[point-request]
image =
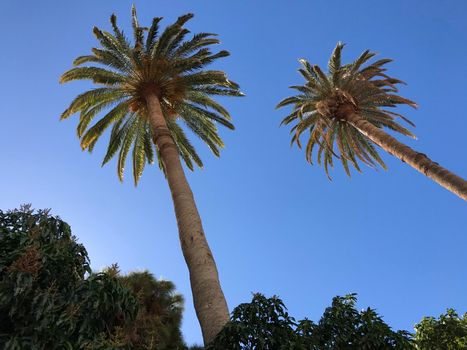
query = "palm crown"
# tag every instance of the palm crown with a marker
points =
(166, 61)
(326, 99)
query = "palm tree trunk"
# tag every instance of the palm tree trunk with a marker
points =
(209, 301)
(417, 160)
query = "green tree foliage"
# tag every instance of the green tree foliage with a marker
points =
(157, 325)
(343, 327)
(50, 298)
(264, 324)
(45, 300)
(448, 332)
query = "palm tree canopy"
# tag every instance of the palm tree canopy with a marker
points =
(169, 63)
(325, 99)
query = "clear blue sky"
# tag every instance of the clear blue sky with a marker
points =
(276, 225)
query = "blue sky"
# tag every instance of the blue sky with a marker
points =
(276, 224)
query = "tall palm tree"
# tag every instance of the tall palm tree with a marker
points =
(146, 89)
(347, 108)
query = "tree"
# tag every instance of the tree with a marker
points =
(262, 324)
(449, 332)
(157, 325)
(147, 88)
(347, 107)
(344, 327)
(265, 324)
(45, 300)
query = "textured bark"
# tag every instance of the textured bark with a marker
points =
(417, 160)
(209, 301)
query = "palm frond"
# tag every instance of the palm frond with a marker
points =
(116, 137)
(87, 115)
(206, 114)
(127, 141)
(139, 154)
(198, 41)
(91, 98)
(334, 64)
(152, 34)
(138, 32)
(168, 35)
(148, 144)
(204, 129)
(85, 59)
(186, 149)
(114, 47)
(98, 129)
(208, 77)
(97, 75)
(220, 91)
(119, 35)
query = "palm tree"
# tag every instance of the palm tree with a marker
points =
(346, 107)
(146, 89)
(157, 325)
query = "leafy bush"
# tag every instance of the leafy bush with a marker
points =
(157, 325)
(264, 324)
(45, 300)
(449, 332)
